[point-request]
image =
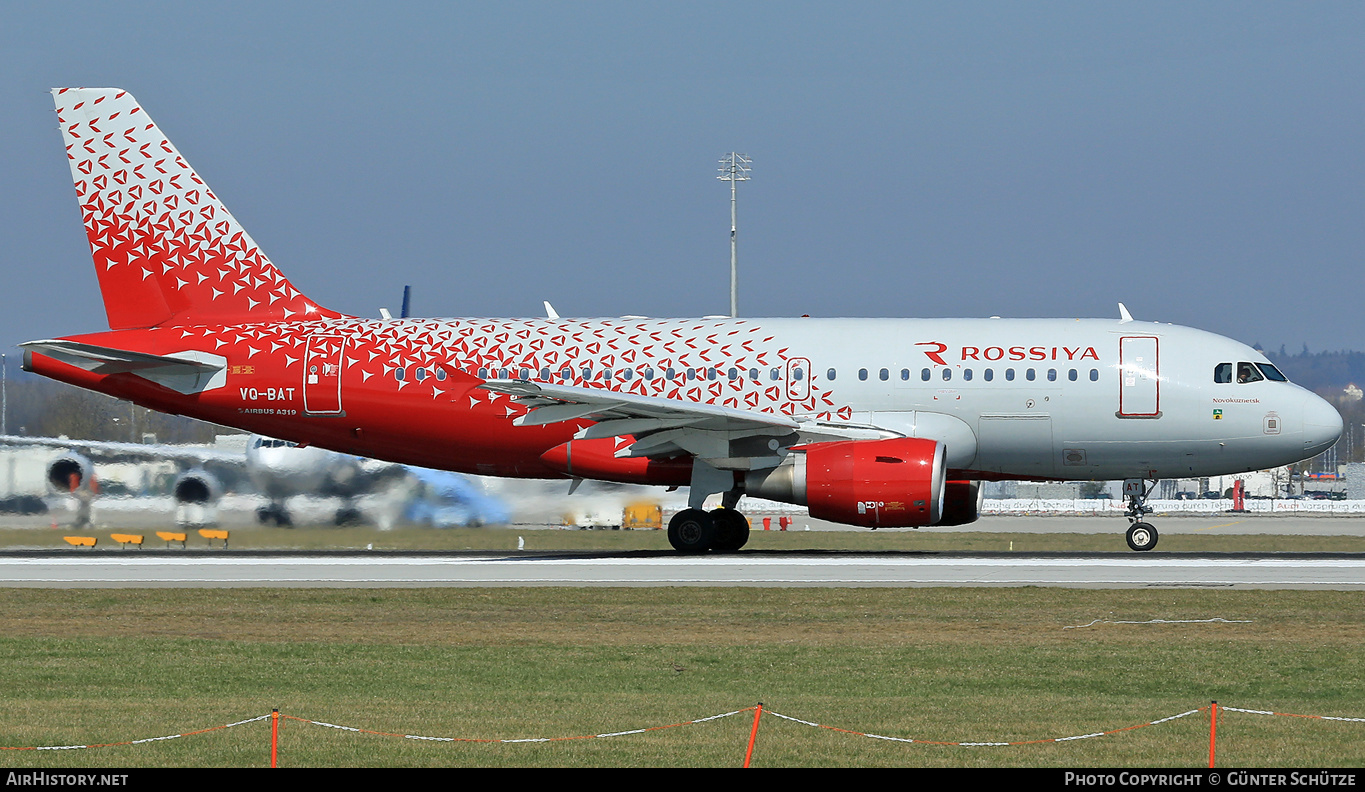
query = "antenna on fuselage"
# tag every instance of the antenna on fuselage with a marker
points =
(1124, 316)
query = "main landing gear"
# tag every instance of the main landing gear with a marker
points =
(276, 513)
(1141, 535)
(697, 531)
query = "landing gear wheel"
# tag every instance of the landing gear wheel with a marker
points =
(1141, 536)
(732, 530)
(349, 515)
(275, 514)
(691, 531)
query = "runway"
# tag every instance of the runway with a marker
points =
(362, 570)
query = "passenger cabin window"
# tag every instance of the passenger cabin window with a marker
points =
(905, 375)
(924, 374)
(947, 374)
(830, 375)
(1094, 375)
(1071, 375)
(883, 375)
(967, 374)
(989, 374)
(862, 374)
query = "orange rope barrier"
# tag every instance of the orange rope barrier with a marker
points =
(985, 744)
(276, 717)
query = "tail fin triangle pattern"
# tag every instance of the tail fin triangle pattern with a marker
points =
(166, 250)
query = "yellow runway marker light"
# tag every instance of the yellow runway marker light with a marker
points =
(171, 536)
(80, 541)
(127, 539)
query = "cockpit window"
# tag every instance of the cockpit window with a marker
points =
(1271, 373)
(1247, 372)
(1222, 373)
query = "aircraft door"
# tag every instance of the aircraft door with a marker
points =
(798, 379)
(322, 375)
(1139, 377)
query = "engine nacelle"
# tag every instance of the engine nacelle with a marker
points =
(70, 473)
(196, 498)
(962, 503)
(894, 483)
(198, 487)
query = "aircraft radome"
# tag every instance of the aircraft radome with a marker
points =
(870, 422)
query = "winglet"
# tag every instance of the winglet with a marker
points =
(1124, 316)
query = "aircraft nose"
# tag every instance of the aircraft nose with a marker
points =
(1321, 425)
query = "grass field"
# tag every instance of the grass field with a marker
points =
(932, 664)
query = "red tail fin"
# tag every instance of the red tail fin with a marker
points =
(166, 250)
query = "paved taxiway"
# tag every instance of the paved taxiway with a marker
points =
(260, 569)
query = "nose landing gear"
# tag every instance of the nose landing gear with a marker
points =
(1141, 535)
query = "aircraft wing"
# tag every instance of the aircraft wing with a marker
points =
(725, 437)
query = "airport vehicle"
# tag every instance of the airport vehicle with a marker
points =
(870, 422)
(279, 470)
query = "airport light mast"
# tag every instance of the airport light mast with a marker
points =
(734, 168)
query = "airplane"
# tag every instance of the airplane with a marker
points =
(279, 469)
(868, 422)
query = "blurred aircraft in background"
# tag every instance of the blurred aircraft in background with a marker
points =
(278, 470)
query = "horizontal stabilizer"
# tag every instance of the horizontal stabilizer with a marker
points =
(184, 372)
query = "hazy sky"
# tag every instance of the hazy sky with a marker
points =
(1202, 162)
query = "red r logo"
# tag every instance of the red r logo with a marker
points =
(935, 354)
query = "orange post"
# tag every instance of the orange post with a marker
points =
(1213, 730)
(753, 734)
(274, 736)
